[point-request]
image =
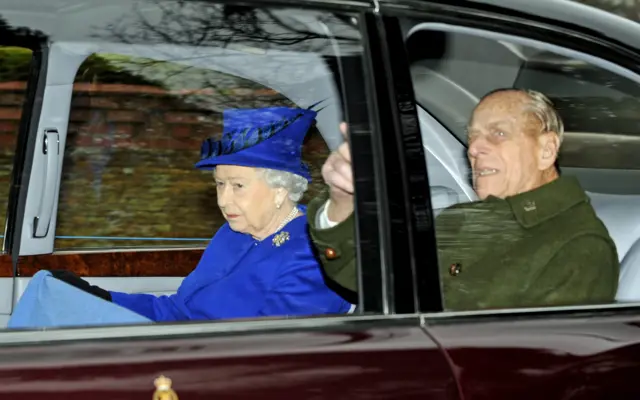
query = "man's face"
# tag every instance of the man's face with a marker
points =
(506, 148)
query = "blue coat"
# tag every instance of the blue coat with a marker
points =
(238, 277)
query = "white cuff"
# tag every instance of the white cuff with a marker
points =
(322, 218)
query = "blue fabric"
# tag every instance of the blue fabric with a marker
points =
(238, 276)
(50, 302)
(269, 137)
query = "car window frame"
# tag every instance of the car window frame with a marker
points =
(584, 45)
(30, 110)
(376, 302)
(412, 288)
(31, 107)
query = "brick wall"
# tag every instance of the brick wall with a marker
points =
(128, 168)
(11, 97)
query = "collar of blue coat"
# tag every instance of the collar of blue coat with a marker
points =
(263, 138)
(539, 205)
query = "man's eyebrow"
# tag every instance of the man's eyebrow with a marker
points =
(499, 124)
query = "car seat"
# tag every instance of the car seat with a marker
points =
(620, 215)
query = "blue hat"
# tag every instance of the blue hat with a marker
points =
(263, 138)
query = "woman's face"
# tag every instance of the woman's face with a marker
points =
(248, 204)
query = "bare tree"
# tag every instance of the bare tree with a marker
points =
(20, 36)
(202, 24)
(192, 25)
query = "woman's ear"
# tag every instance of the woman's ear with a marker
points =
(281, 195)
(549, 145)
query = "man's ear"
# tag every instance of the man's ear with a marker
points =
(549, 145)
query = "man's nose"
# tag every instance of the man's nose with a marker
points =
(478, 146)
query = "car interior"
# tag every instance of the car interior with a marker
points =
(450, 74)
(284, 68)
(453, 74)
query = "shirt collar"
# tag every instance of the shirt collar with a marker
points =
(539, 205)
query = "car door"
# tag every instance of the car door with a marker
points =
(349, 357)
(137, 101)
(586, 61)
(81, 179)
(20, 57)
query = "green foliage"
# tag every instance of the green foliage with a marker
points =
(103, 70)
(15, 63)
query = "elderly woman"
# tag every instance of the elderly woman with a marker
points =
(260, 262)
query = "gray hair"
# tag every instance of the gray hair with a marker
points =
(541, 107)
(295, 184)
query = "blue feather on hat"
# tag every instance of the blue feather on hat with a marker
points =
(264, 138)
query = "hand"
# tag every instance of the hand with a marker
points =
(73, 280)
(337, 173)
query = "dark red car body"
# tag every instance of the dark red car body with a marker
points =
(565, 357)
(401, 348)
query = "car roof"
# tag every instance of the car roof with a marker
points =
(562, 13)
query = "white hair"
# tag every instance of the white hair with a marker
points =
(294, 184)
(542, 108)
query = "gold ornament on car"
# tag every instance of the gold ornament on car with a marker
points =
(163, 389)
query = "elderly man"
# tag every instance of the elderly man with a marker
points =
(532, 240)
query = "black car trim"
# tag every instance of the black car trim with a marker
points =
(371, 209)
(417, 287)
(25, 148)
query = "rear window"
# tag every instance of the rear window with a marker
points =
(598, 107)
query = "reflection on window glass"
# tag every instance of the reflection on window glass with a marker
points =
(136, 127)
(191, 126)
(141, 108)
(14, 74)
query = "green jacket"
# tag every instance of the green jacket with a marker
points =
(545, 247)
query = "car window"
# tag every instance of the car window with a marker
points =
(149, 89)
(135, 130)
(491, 219)
(15, 65)
(596, 105)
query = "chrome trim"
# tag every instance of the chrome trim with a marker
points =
(123, 250)
(180, 329)
(523, 312)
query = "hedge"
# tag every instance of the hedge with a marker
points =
(14, 66)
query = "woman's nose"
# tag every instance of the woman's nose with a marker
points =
(223, 196)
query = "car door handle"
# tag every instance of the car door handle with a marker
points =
(51, 149)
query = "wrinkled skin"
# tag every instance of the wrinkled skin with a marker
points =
(247, 203)
(508, 152)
